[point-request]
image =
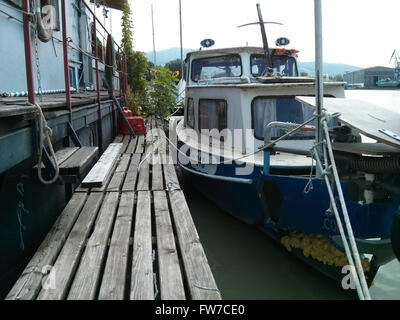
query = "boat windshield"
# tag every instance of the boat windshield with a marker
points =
(282, 64)
(216, 67)
(283, 109)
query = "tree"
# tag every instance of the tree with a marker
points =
(175, 65)
(339, 77)
(163, 92)
(303, 74)
(136, 64)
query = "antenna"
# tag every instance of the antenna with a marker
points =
(261, 23)
(154, 44)
(180, 27)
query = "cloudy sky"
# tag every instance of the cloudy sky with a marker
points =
(358, 32)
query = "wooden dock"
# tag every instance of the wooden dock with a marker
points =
(133, 237)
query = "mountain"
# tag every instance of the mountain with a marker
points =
(331, 69)
(167, 55)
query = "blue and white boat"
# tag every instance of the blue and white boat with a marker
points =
(248, 142)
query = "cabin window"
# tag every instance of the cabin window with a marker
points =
(190, 113)
(216, 67)
(282, 64)
(284, 109)
(212, 114)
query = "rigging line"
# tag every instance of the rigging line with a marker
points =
(16, 9)
(246, 155)
(344, 209)
(11, 17)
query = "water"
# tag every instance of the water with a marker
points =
(248, 265)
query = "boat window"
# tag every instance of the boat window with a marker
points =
(216, 67)
(212, 114)
(190, 113)
(284, 109)
(282, 64)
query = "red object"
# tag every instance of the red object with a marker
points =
(136, 122)
(28, 54)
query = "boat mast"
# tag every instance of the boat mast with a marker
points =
(268, 60)
(180, 27)
(319, 84)
(154, 44)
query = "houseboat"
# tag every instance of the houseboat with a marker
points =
(61, 76)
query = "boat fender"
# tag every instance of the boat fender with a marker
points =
(44, 24)
(396, 235)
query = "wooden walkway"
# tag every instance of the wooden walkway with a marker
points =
(132, 238)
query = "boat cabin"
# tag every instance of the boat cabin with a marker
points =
(227, 89)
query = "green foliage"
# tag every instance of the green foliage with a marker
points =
(175, 65)
(303, 74)
(127, 29)
(132, 101)
(339, 77)
(162, 93)
(136, 61)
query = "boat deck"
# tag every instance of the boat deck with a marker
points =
(131, 238)
(14, 106)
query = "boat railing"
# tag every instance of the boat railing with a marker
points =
(66, 43)
(284, 126)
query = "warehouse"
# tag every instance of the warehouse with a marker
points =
(368, 77)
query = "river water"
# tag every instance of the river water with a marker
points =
(248, 265)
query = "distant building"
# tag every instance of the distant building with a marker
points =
(368, 77)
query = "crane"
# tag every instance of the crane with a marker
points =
(396, 57)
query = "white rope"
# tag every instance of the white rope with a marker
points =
(45, 133)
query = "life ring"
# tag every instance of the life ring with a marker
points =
(44, 34)
(396, 235)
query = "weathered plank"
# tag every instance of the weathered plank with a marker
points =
(114, 280)
(29, 283)
(142, 264)
(68, 260)
(15, 110)
(78, 161)
(171, 283)
(200, 279)
(125, 143)
(116, 181)
(103, 168)
(123, 163)
(87, 277)
(131, 176)
(62, 155)
(132, 145)
(157, 174)
(144, 174)
(140, 145)
(171, 179)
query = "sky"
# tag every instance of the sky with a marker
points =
(362, 33)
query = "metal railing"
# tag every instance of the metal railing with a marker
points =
(120, 56)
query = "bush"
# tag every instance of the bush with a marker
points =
(162, 92)
(132, 101)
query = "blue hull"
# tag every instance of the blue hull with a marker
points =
(279, 202)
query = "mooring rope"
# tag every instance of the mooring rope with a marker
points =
(45, 133)
(20, 210)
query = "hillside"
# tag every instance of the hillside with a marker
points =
(329, 68)
(167, 55)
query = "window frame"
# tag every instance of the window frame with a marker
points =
(224, 55)
(187, 114)
(266, 97)
(262, 55)
(216, 100)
